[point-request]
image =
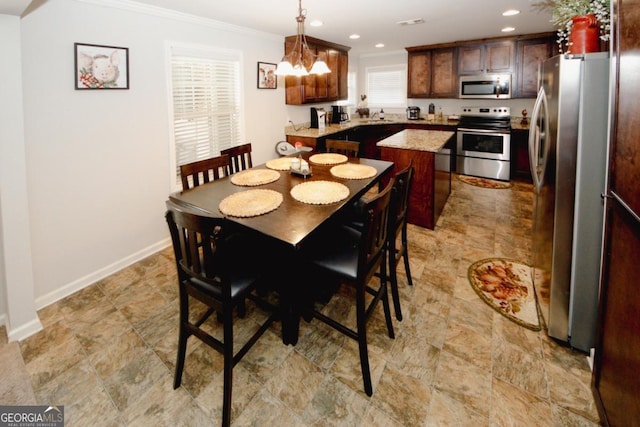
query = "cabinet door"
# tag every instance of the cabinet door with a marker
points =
(419, 75)
(342, 74)
(471, 59)
(444, 73)
(520, 155)
(315, 86)
(530, 53)
(499, 57)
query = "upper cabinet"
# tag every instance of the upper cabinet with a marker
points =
(432, 73)
(483, 58)
(433, 70)
(529, 54)
(319, 88)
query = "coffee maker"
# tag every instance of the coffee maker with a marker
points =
(339, 114)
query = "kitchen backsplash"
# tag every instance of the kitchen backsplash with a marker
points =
(301, 114)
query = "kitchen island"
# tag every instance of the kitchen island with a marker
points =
(430, 151)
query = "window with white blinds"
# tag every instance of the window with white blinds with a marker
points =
(206, 95)
(387, 86)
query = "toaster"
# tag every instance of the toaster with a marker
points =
(413, 113)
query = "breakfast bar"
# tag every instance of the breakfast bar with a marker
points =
(430, 151)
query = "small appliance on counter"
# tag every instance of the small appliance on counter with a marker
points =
(413, 113)
(339, 114)
(432, 112)
(318, 117)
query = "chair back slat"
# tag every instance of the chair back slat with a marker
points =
(239, 157)
(203, 171)
(400, 198)
(197, 245)
(375, 230)
(348, 148)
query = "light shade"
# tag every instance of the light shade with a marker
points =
(284, 68)
(319, 67)
(292, 63)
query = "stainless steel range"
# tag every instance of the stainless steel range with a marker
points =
(484, 140)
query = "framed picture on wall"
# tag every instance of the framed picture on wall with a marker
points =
(101, 67)
(267, 76)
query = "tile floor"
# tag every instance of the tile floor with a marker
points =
(107, 352)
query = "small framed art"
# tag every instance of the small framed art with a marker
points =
(101, 67)
(267, 76)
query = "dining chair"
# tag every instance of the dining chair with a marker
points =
(203, 171)
(399, 208)
(348, 148)
(239, 157)
(397, 246)
(353, 257)
(211, 260)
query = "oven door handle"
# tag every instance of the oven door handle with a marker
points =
(496, 132)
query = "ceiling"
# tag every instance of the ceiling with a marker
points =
(375, 20)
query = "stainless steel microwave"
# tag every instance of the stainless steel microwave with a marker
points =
(486, 86)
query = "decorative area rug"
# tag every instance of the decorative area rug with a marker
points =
(483, 182)
(250, 203)
(507, 287)
(328, 158)
(353, 171)
(254, 177)
(320, 192)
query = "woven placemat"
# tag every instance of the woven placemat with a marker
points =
(250, 203)
(353, 171)
(328, 158)
(253, 177)
(320, 192)
(280, 164)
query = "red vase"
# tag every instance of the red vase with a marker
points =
(585, 35)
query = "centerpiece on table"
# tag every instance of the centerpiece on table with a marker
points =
(582, 24)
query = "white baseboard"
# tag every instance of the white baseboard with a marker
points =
(24, 331)
(92, 278)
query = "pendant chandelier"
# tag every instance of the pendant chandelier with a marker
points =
(292, 62)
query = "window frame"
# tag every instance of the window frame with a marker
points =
(201, 52)
(401, 69)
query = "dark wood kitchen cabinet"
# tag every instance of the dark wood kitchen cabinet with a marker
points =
(529, 54)
(617, 357)
(314, 89)
(520, 168)
(482, 58)
(432, 73)
(433, 70)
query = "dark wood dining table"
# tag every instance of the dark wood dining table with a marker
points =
(288, 226)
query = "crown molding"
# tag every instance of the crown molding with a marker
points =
(133, 6)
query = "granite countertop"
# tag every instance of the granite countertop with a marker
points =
(303, 130)
(417, 139)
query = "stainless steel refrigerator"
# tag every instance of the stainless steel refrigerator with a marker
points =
(567, 152)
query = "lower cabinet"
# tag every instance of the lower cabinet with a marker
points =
(368, 136)
(431, 181)
(520, 155)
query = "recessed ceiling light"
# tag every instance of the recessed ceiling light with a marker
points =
(354, 36)
(380, 45)
(316, 23)
(510, 12)
(411, 21)
(508, 29)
